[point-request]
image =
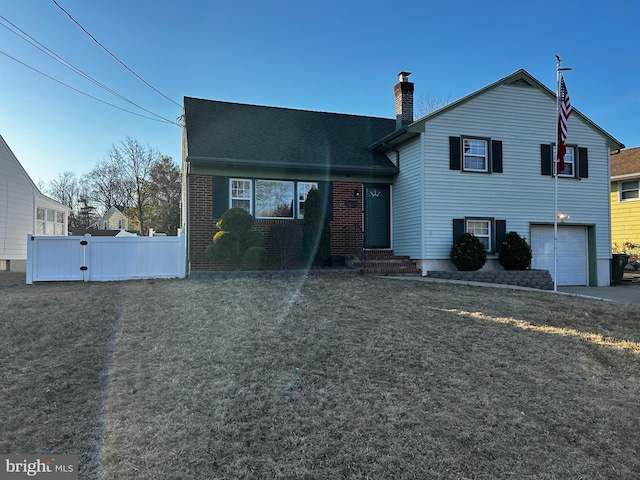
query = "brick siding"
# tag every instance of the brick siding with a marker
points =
(284, 251)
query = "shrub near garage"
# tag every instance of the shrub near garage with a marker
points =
(468, 253)
(515, 252)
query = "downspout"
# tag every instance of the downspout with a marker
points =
(422, 209)
(185, 220)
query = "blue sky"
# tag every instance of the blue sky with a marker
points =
(337, 56)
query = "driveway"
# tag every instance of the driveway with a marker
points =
(628, 292)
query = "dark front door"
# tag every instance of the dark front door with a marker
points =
(377, 213)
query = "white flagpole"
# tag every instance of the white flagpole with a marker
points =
(555, 176)
(555, 181)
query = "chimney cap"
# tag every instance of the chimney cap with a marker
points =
(404, 76)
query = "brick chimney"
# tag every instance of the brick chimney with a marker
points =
(404, 100)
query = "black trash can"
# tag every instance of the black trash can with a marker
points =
(618, 262)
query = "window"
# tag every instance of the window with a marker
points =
(105, 225)
(274, 199)
(481, 229)
(569, 163)
(475, 155)
(629, 190)
(576, 161)
(282, 199)
(120, 224)
(241, 194)
(49, 222)
(303, 189)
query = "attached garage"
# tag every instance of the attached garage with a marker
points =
(573, 264)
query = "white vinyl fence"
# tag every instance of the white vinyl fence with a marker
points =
(87, 258)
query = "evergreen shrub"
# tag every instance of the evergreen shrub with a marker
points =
(515, 252)
(236, 242)
(468, 253)
(316, 239)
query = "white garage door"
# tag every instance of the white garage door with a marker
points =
(572, 253)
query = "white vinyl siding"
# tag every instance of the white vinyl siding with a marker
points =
(19, 201)
(522, 118)
(406, 206)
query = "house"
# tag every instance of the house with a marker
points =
(481, 164)
(114, 219)
(625, 199)
(24, 210)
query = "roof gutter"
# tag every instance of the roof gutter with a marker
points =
(236, 163)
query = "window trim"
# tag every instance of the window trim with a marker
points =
(249, 198)
(252, 195)
(490, 230)
(48, 227)
(299, 200)
(573, 149)
(621, 191)
(293, 198)
(487, 155)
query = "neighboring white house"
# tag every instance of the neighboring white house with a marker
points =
(24, 210)
(482, 164)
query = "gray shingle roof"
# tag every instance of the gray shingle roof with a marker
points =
(219, 132)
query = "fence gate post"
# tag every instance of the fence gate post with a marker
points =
(85, 267)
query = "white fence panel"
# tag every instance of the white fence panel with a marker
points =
(125, 258)
(104, 258)
(52, 258)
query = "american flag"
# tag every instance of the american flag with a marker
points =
(565, 112)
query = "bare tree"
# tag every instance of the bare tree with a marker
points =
(107, 186)
(431, 102)
(66, 190)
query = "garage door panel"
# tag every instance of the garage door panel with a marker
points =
(572, 253)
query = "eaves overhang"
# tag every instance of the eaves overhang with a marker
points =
(627, 176)
(396, 138)
(236, 164)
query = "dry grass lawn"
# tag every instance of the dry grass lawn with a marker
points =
(326, 377)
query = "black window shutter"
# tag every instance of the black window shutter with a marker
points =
(458, 228)
(545, 159)
(496, 156)
(454, 153)
(326, 188)
(501, 234)
(583, 163)
(220, 196)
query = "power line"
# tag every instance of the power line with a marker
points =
(114, 56)
(84, 93)
(69, 65)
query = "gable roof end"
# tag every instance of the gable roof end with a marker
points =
(521, 78)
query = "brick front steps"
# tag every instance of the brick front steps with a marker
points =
(524, 278)
(384, 262)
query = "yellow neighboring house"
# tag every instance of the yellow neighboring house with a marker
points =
(114, 219)
(625, 198)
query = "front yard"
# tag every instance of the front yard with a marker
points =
(331, 376)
